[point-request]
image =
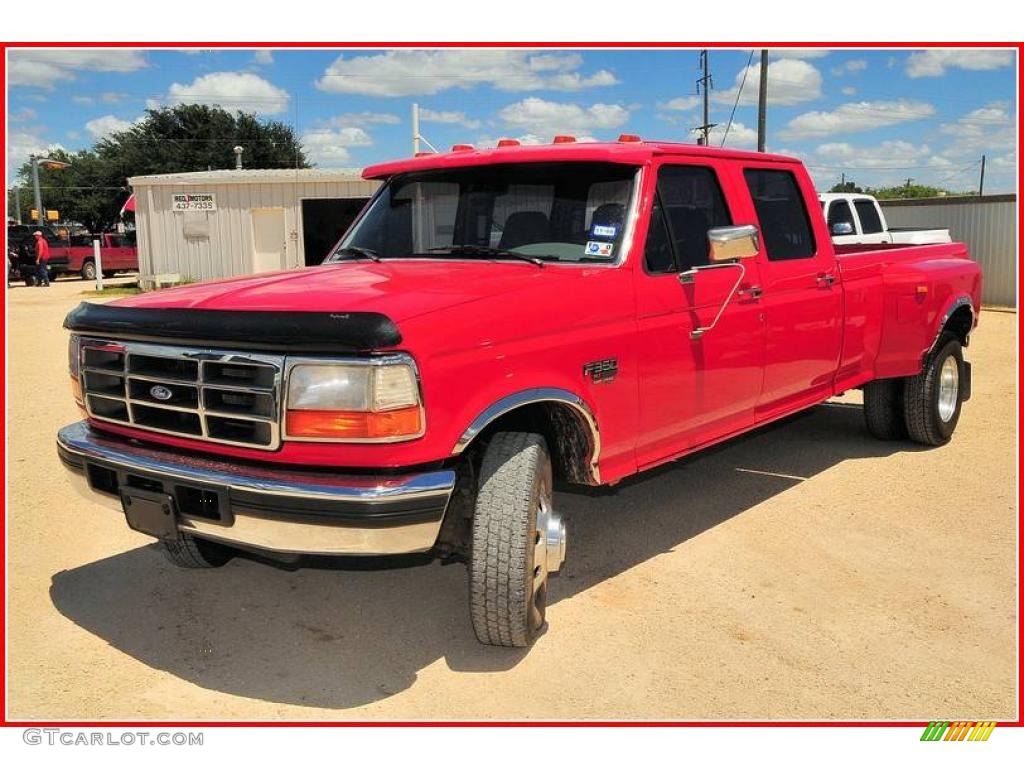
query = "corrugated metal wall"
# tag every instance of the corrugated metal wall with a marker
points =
(227, 250)
(989, 227)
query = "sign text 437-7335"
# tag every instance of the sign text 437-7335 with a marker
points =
(196, 202)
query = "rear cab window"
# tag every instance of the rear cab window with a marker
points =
(870, 221)
(782, 214)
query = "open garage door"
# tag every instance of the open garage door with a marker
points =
(324, 221)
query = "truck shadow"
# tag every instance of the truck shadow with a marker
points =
(320, 638)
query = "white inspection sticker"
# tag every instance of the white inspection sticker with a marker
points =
(595, 248)
(601, 230)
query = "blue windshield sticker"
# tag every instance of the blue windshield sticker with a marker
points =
(601, 230)
(595, 248)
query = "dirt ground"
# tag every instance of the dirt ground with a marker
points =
(806, 571)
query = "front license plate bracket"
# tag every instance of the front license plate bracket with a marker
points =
(150, 512)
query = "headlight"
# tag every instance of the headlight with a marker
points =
(373, 401)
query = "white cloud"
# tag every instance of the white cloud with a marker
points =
(232, 91)
(850, 67)
(101, 127)
(679, 104)
(23, 115)
(740, 136)
(23, 144)
(935, 63)
(450, 117)
(412, 72)
(790, 81)
(263, 56)
(985, 130)
(855, 117)
(44, 69)
(895, 154)
(800, 53)
(364, 118)
(848, 90)
(82, 100)
(330, 148)
(548, 118)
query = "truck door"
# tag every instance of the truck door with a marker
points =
(692, 390)
(802, 298)
(837, 213)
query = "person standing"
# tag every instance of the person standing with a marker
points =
(42, 260)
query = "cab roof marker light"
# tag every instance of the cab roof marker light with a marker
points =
(424, 154)
(629, 138)
(462, 148)
(563, 138)
(508, 143)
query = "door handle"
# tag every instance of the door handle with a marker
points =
(825, 280)
(753, 292)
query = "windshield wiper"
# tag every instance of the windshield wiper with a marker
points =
(486, 250)
(355, 250)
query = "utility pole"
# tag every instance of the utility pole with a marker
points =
(843, 182)
(17, 204)
(415, 129)
(762, 102)
(981, 182)
(40, 213)
(704, 84)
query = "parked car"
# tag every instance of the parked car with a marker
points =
(21, 252)
(423, 390)
(854, 219)
(117, 254)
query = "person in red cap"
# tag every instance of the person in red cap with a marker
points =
(42, 260)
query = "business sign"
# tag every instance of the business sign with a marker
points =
(197, 202)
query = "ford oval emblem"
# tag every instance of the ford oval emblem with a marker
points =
(160, 392)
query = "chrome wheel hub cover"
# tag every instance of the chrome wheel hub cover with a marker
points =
(949, 385)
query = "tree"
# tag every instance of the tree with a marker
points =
(847, 187)
(188, 137)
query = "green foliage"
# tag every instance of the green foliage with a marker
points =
(848, 187)
(188, 137)
(907, 191)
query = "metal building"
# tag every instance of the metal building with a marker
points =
(988, 225)
(198, 226)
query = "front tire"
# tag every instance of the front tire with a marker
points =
(89, 271)
(187, 551)
(932, 399)
(518, 540)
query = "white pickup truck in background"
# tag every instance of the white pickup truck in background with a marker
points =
(854, 218)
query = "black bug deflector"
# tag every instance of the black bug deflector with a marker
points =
(265, 331)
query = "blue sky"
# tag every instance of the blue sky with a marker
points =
(881, 116)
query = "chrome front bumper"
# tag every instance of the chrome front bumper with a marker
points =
(262, 507)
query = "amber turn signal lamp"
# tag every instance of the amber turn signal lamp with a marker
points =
(354, 425)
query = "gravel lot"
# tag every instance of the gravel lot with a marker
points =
(804, 571)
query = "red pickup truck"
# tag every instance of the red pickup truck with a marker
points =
(117, 254)
(496, 320)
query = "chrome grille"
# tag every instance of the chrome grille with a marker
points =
(223, 397)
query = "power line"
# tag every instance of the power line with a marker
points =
(737, 102)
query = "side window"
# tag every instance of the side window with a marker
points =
(658, 250)
(785, 226)
(692, 203)
(839, 213)
(868, 214)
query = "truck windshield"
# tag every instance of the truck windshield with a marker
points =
(566, 212)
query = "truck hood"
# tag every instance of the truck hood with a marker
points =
(398, 289)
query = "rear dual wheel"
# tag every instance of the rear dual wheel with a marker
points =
(925, 407)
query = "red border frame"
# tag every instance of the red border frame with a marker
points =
(4, 722)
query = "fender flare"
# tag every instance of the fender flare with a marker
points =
(957, 303)
(531, 397)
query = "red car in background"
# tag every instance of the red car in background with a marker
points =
(118, 253)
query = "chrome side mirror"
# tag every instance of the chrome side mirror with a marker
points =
(728, 243)
(842, 228)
